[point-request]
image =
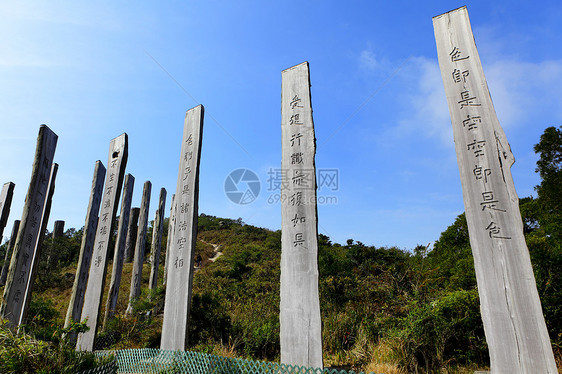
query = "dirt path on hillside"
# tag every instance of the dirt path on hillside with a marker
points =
(216, 249)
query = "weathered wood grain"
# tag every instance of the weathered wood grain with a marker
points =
(74, 310)
(136, 277)
(119, 252)
(157, 240)
(9, 251)
(117, 161)
(301, 335)
(511, 311)
(29, 234)
(180, 266)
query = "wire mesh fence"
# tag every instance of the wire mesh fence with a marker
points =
(105, 340)
(109, 368)
(148, 360)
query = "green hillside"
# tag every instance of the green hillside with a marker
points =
(383, 309)
(388, 310)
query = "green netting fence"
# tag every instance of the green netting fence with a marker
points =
(109, 368)
(150, 360)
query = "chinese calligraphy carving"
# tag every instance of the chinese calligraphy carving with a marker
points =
(86, 249)
(180, 252)
(119, 251)
(511, 311)
(26, 247)
(117, 161)
(301, 342)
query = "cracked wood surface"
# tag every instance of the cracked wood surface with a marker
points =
(510, 307)
(300, 323)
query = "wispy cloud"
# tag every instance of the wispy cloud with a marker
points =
(367, 60)
(520, 91)
(425, 109)
(370, 61)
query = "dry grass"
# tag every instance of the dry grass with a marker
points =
(383, 359)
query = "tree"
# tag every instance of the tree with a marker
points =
(451, 258)
(549, 167)
(544, 217)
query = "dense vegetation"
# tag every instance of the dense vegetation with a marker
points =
(23, 353)
(383, 309)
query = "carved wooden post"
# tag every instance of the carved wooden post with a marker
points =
(157, 240)
(301, 334)
(88, 236)
(171, 223)
(132, 234)
(136, 277)
(58, 230)
(180, 270)
(117, 161)
(119, 252)
(9, 251)
(5, 204)
(39, 246)
(511, 311)
(19, 274)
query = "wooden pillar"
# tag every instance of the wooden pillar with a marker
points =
(74, 310)
(300, 324)
(514, 325)
(5, 204)
(53, 256)
(140, 247)
(157, 240)
(132, 234)
(58, 230)
(117, 161)
(171, 223)
(9, 251)
(180, 266)
(39, 246)
(30, 234)
(119, 252)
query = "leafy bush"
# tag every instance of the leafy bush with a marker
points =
(447, 329)
(43, 320)
(23, 353)
(141, 329)
(208, 320)
(55, 255)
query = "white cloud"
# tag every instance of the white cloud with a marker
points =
(368, 60)
(425, 108)
(520, 91)
(429, 104)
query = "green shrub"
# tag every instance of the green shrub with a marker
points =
(43, 320)
(23, 353)
(447, 330)
(208, 320)
(141, 329)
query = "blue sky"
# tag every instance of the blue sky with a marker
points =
(93, 71)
